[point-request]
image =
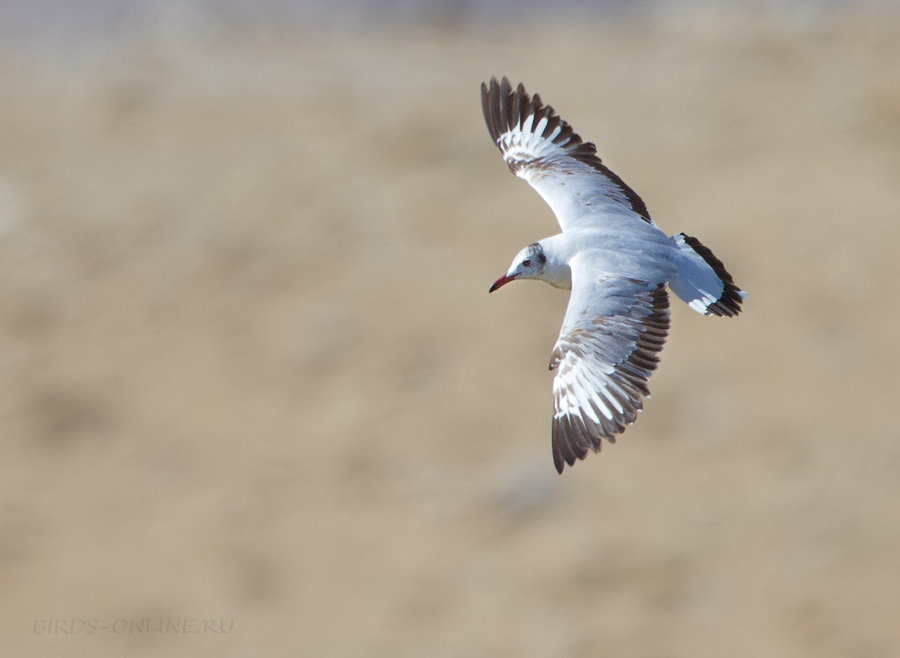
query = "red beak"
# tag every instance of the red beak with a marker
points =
(502, 281)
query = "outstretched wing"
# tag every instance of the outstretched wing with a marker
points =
(539, 146)
(607, 349)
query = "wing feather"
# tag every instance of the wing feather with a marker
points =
(608, 347)
(539, 146)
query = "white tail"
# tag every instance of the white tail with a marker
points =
(702, 281)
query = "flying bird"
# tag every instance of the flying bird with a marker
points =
(614, 259)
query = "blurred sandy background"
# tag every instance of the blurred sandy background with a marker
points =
(251, 372)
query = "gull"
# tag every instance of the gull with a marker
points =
(615, 261)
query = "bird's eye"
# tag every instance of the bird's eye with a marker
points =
(527, 262)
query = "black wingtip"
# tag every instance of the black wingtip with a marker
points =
(495, 96)
(558, 461)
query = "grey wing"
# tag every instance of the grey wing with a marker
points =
(539, 146)
(607, 349)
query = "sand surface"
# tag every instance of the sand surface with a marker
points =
(252, 380)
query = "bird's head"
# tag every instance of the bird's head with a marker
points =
(528, 264)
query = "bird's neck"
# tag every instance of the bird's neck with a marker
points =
(556, 271)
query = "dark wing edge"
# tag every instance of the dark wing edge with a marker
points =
(647, 325)
(506, 108)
